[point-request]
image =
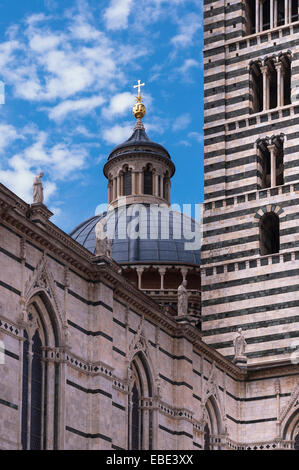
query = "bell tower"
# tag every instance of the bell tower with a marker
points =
(250, 251)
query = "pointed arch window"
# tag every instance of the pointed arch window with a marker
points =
(36, 393)
(207, 438)
(213, 428)
(32, 390)
(40, 388)
(135, 419)
(296, 446)
(140, 419)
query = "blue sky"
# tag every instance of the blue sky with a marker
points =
(69, 68)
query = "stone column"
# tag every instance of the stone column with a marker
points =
(161, 185)
(271, 14)
(272, 150)
(121, 184)
(261, 16)
(162, 272)
(140, 270)
(275, 14)
(114, 188)
(184, 272)
(257, 16)
(282, 87)
(118, 186)
(141, 180)
(286, 11)
(279, 95)
(133, 182)
(277, 393)
(264, 70)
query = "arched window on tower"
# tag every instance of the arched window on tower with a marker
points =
(295, 7)
(250, 17)
(271, 162)
(259, 17)
(296, 445)
(264, 164)
(148, 180)
(265, 15)
(140, 419)
(272, 84)
(285, 60)
(269, 234)
(257, 87)
(127, 175)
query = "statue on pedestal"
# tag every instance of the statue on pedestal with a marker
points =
(38, 191)
(239, 345)
(183, 299)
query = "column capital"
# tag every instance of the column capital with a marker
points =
(162, 271)
(271, 147)
(264, 69)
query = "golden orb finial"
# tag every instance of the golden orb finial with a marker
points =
(139, 110)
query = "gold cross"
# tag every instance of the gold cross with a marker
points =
(139, 87)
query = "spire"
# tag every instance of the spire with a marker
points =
(139, 110)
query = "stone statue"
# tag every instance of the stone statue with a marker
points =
(239, 344)
(38, 191)
(104, 247)
(182, 299)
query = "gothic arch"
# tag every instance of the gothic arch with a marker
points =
(42, 401)
(212, 412)
(140, 409)
(41, 285)
(289, 417)
(291, 428)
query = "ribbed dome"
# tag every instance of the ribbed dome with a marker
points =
(163, 235)
(140, 141)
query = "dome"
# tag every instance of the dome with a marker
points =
(145, 233)
(139, 142)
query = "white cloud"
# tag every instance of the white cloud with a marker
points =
(117, 14)
(119, 104)
(8, 134)
(181, 122)
(6, 52)
(44, 42)
(58, 162)
(198, 136)
(118, 133)
(82, 106)
(188, 28)
(186, 66)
